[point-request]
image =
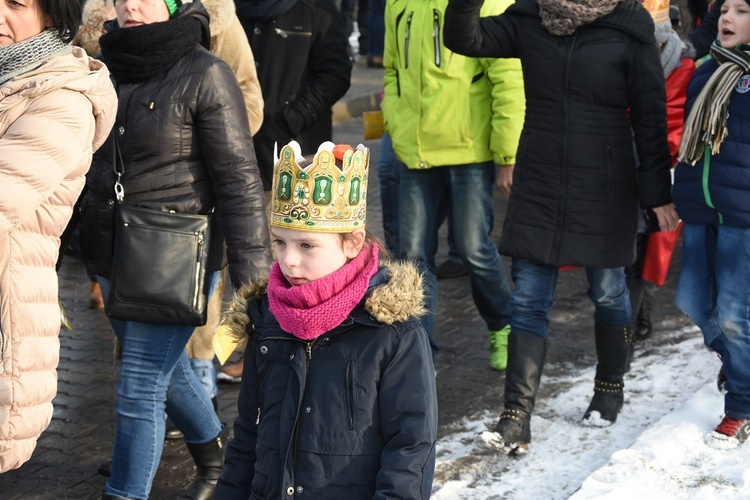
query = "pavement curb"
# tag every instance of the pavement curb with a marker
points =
(345, 110)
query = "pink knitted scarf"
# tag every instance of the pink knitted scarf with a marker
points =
(310, 310)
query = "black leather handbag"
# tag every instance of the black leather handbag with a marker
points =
(160, 261)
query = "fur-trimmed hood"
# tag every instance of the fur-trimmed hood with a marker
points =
(95, 15)
(395, 295)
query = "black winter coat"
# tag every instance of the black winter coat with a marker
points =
(303, 69)
(575, 186)
(350, 415)
(186, 146)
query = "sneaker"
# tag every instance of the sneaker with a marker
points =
(499, 349)
(511, 435)
(231, 374)
(729, 434)
(450, 269)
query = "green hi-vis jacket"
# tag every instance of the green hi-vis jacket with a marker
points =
(442, 108)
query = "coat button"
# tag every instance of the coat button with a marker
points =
(256, 31)
(290, 491)
(291, 356)
(121, 130)
(307, 409)
(263, 349)
(300, 489)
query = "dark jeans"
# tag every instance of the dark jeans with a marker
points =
(469, 189)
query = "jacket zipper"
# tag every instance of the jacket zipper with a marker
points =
(285, 34)
(2, 337)
(196, 292)
(406, 40)
(436, 35)
(308, 359)
(564, 151)
(351, 384)
(704, 182)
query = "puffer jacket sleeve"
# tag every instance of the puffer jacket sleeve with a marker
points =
(229, 157)
(469, 35)
(508, 108)
(648, 116)
(239, 462)
(408, 412)
(330, 70)
(36, 154)
(390, 62)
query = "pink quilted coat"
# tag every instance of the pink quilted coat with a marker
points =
(51, 121)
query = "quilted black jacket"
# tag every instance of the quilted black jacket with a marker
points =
(588, 97)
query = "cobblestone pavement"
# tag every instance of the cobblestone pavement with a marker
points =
(80, 436)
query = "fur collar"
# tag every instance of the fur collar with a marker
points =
(400, 298)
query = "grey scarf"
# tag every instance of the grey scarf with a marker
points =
(31, 53)
(671, 47)
(563, 17)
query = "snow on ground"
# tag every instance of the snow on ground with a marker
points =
(655, 448)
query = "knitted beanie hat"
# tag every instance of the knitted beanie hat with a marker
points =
(172, 5)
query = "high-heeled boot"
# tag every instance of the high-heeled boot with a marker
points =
(526, 355)
(208, 458)
(612, 347)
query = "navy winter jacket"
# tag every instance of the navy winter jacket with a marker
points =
(349, 415)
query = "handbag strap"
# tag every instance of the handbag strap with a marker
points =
(117, 154)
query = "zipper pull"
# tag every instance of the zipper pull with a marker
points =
(257, 418)
(281, 32)
(309, 351)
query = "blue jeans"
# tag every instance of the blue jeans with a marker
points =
(155, 376)
(469, 189)
(389, 174)
(714, 291)
(535, 287)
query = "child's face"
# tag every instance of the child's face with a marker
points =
(734, 23)
(305, 257)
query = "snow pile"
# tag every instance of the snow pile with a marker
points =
(656, 447)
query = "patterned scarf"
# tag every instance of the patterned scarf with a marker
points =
(706, 126)
(31, 53)
(310, 310)
(563, 17)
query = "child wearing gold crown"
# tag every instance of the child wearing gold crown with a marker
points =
(338, 394)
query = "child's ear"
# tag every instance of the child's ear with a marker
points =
(353, 245)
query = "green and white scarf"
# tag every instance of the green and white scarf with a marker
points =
(29, 54)
(706, 126)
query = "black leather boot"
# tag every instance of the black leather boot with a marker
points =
(512, 434)
(208, 458)
(643, 319)
(612, 346)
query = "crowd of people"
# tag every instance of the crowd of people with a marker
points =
(216, 111)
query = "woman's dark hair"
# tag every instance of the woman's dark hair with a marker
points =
(65, 16)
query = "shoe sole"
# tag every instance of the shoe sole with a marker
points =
(223, 377)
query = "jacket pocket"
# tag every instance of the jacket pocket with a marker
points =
(352, 397)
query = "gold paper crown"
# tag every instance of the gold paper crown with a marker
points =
(320, 197)
(659, 10)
